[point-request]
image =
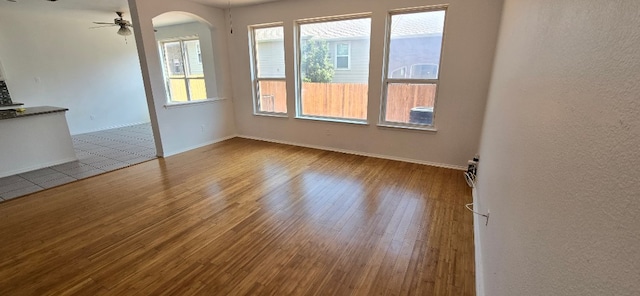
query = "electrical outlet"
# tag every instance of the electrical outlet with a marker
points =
(92, 117)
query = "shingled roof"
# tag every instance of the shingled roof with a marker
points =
(403, 25)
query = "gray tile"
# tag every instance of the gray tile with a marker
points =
(114, 167)
(15, 186)
(94, 159)
(139, 160)
(77, 170)
(38, 173)
(57, 182)
(88, 174)
(66, 166)
(21, 192)
(107, 162)
(99, 150)
(47, 178)
(10, 180)
(125, 157)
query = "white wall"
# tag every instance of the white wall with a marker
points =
(53, 58)
(190, 126)
(560, 158)
(471, 33)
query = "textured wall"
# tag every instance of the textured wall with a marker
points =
(560, 151)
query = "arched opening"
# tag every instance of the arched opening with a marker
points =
(186, 56)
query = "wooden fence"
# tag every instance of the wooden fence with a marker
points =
(347, 100)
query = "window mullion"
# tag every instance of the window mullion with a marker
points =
(185, 69)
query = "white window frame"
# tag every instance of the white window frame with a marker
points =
(298, 65)
(386, 80)
(186, 69)
(348, 56)
(255, 80)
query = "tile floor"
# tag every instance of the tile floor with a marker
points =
(97, 153)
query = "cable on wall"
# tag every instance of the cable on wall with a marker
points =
(468, 206)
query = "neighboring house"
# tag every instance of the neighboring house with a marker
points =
(415, 49)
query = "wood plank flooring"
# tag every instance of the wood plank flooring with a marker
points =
(244, 217)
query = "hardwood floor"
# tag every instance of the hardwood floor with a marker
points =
(244, 217)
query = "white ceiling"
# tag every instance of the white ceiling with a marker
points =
(234, 3)
(110, 5)
(103, 10)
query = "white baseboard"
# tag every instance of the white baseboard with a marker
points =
(435, 164)
(198, 146)
(38, 166)
(111, 127)
(478, 247)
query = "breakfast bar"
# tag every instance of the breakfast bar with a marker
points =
(33, 138)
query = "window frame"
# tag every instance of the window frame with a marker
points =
(348, 56)
(298, 65)
(255, 80)
(185, 65)
(385, 70)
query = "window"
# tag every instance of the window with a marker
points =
(199, 53)
(424, 71)
(414, 41)
(268, 70)
(399, 73)
(183, 71)
(322, 92)
(343, 52)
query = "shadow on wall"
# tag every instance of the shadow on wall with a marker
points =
(186, 52)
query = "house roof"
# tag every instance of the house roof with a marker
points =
(402, 25)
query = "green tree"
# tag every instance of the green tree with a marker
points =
(316, 65)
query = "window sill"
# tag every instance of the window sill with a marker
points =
(186, 104)
(277, 115)
(329, 119)
(432, 129)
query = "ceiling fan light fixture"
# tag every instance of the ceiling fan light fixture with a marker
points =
(124, 31)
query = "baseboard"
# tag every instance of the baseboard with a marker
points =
(38, 166)
(112, 127)
(198, 146)
(478, 247)
(435, 164)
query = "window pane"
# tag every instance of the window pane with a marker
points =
(330, 93)
(269, 44)
(194, 66)
(173, 59)
(410, 103)
(416, 43)
(197, 89)
(342, 62)
(343, 49)
(178, 90)
(272, 96)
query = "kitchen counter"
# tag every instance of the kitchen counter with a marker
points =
(36, 138)
(31, 111)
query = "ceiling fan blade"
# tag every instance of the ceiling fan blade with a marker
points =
(103, 23)
(96, 27)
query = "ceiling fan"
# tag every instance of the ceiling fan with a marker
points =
(125, 25)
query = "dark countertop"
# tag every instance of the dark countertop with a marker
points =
(14, 104)
(31, 111)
